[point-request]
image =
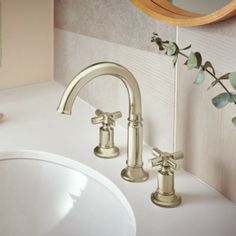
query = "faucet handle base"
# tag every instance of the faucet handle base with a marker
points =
(134, 174)
(106, 153)
(165, 200)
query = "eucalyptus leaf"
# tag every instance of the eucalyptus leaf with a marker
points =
(200, 77)
(215, 82)
(225, 76)
(194, 60)
(232, 79)
(234, 120)
(209, 65)
(199, 59)
(232, 98)
(221, 100)
(171, 49)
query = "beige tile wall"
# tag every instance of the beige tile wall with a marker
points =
(26, 42)
(206, 134)
(114, 21)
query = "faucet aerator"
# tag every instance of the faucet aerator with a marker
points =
(61, 111)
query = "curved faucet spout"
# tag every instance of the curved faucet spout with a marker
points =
(99, 69)
(134, 171)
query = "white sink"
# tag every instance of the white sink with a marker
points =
(46, 194)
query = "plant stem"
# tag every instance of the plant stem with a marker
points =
(209, 72)
(184, 55)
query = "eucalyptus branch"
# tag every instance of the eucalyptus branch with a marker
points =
(216, 79)
(194, 61)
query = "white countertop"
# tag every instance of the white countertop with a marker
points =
(31, 122)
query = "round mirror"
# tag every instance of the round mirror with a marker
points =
(200, 6)
(188, 12)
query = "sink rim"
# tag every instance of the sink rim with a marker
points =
(57, 159)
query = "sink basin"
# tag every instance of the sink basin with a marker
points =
(46, 194)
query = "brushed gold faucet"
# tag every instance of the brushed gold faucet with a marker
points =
(165, 195)
(106, 148)
(134, 171)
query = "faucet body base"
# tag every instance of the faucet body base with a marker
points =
(165, 200)
(134, 174)
(106, 153)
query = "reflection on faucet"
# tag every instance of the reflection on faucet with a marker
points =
(134, 170)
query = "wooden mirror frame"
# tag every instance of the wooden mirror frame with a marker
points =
(170, 14)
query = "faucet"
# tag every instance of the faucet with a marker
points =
(134, 171)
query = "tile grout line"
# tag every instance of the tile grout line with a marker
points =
(175, 96)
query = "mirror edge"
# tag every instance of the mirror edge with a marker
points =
(184, 18)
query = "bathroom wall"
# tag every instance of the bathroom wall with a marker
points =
(206, 134)
(92, 31)
(26, 42)
(177, 114)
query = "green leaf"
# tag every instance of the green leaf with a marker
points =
(232, 98)
(209, 65)
(200, 77)
(225, 76)
(234, 120)
(194, 60)
(232, 79)
(215, 82)
(221, 100)
(174, 61)
(171, 49)
(199, 59)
